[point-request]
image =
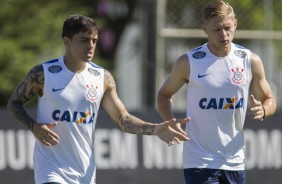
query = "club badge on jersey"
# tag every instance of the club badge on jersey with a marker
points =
(91, 93)
(238, 76)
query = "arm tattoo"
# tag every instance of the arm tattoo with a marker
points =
(30, 87)
(131, 124)
(111, 83)
(110, 80)
(127, 122)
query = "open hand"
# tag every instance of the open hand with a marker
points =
(171, 131)
(44, 134)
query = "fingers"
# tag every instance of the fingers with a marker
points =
(176, 125)
(51, 125)
(173, 141)
(180, 136)
(256, 112)
(43, 133)
(182, 121)
(45, 142)
(170, 143)
(171, 131)
(48, 138)
(52, 138)
(178, 132)
(253, 100)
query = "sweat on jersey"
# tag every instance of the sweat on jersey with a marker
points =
(217, 95)
(72, 100)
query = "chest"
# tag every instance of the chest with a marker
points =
(221, 74)
(74, 89)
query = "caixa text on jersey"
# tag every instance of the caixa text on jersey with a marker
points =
(73, 117)
(221, 103)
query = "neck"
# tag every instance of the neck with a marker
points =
(73, 65)
(219, 51)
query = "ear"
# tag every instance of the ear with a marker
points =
(204, 27)
(66, 40)
(235, 24)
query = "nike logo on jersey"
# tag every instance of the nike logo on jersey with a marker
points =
(59, 89)
(200, 76)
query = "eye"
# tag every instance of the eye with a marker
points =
(84, 40)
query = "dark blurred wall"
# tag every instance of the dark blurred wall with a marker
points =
(129, 159)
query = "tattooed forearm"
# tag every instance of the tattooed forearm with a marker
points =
(134, 125)
(124, 121)
(18, 111)
(26, 90)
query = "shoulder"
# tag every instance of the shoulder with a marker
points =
(109, 80)
(255, 60)
(256, 65)
(53, 66)
(198, 52)
(94, 66)
(183, 60)
(237, 46)
(95, 70)
(53, 61)
(37, 70)
(34, 80)
(240, 51)
(182, 63)
(181, 68)
(107, 74)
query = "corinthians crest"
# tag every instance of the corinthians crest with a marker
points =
(91, 93)
(238, 75)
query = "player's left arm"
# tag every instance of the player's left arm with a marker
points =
(117, 111)
(263, 101)
(131, 124)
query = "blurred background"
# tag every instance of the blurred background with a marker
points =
(139, 42)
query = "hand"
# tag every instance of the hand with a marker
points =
(171, 131)
(256, 112)
(43, 133)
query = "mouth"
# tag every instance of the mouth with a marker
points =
(224, 41)
(90, 53)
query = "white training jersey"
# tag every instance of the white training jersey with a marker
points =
(217, 95)
(72, 100)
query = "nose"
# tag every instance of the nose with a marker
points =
(91, 43)
(223, 33)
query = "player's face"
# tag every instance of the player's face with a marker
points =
(82, 45)
(220, 31)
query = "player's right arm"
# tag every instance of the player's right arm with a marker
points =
(177, 78)
(30, 87)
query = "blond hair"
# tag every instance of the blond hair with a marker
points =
(217, 9)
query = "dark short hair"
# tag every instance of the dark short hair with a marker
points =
(78, 23)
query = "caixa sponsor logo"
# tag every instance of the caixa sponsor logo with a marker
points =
(221, 103)
(73, 117)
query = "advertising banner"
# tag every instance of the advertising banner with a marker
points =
(124, 158)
